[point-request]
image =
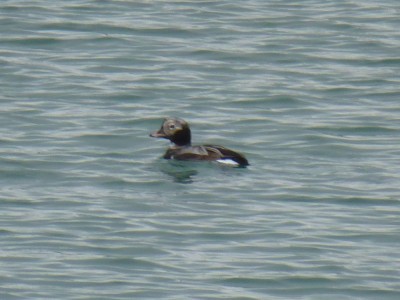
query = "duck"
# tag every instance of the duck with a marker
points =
(178, 132)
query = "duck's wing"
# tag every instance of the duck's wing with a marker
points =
(187, 153)
(222, 153)
(207, 152)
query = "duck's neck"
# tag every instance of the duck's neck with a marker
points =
(182, 138)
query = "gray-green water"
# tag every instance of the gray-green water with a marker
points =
(308, 91)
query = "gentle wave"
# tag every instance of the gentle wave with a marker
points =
(307, 91)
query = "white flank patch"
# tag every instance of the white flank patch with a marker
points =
(229, 162)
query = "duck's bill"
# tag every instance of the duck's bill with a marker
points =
(158, 134)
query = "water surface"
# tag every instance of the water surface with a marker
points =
(307, 91)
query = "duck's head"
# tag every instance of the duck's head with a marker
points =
(176, 130)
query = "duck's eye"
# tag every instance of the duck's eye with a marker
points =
(172, 127)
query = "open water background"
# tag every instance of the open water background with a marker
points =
(307, 90)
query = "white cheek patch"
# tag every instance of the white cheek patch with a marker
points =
(228, 162)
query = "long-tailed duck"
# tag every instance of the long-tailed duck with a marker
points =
(178, 132)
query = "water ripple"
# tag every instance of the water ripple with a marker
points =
(307, 91)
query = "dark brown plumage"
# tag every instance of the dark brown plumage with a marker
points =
(178, 132)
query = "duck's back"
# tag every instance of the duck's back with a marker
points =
(207, 152)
